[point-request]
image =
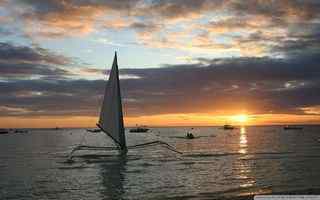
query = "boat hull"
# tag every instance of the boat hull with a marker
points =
(139, 130)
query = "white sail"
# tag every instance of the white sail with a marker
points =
(111, 118)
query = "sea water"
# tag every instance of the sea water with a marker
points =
(216, 164)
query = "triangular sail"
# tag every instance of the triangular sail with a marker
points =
(111, 118)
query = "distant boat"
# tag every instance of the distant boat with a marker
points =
(4, 131)
(228, 127)
(189, 136)
(111, 118)
(20, 131)
(94, 130)
(139, 129)
(292, 127)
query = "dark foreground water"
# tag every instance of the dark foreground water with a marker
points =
(218, 164)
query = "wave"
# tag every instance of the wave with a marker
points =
(197, 155)
(74, 167)
(267, 153)
(238, 193)
(210, 155)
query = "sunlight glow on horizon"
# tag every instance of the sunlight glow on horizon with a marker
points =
(242, 118)
(192, 119)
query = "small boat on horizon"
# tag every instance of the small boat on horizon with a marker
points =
(287, 127)
(189, 136)
(228, 127)
(20, 131)
(139, 129)
(94, 130)
(4, 131)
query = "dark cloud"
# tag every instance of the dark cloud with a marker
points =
(27, 62)
(299, 44)
(27, 70)
(50, 97)
(10, 52)
(173, 9)
(60, 6)
(278, 11)
(259, 85)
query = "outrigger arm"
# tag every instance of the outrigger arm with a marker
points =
(100, 148)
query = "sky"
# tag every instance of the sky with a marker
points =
(181, 62)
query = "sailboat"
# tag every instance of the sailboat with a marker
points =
(111, 118)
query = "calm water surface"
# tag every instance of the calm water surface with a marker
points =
(220, 163)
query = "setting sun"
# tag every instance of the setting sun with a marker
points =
(240, 118)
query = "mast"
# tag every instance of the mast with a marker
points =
(111, 116)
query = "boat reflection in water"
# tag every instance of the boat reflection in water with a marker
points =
(112, 177)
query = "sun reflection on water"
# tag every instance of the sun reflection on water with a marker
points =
(243, 141)
(245, 172)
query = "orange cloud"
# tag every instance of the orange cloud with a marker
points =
(70, 22)
(312, 110)
(156, 22)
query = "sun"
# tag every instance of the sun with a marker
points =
(242, 118)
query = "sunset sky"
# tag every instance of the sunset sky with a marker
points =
(182, 62)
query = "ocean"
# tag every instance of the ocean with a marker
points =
(217, 164)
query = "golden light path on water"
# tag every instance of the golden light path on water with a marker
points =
(243, 141)
(245, 169)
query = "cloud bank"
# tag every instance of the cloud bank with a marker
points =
(217, 86)
(269, 61)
